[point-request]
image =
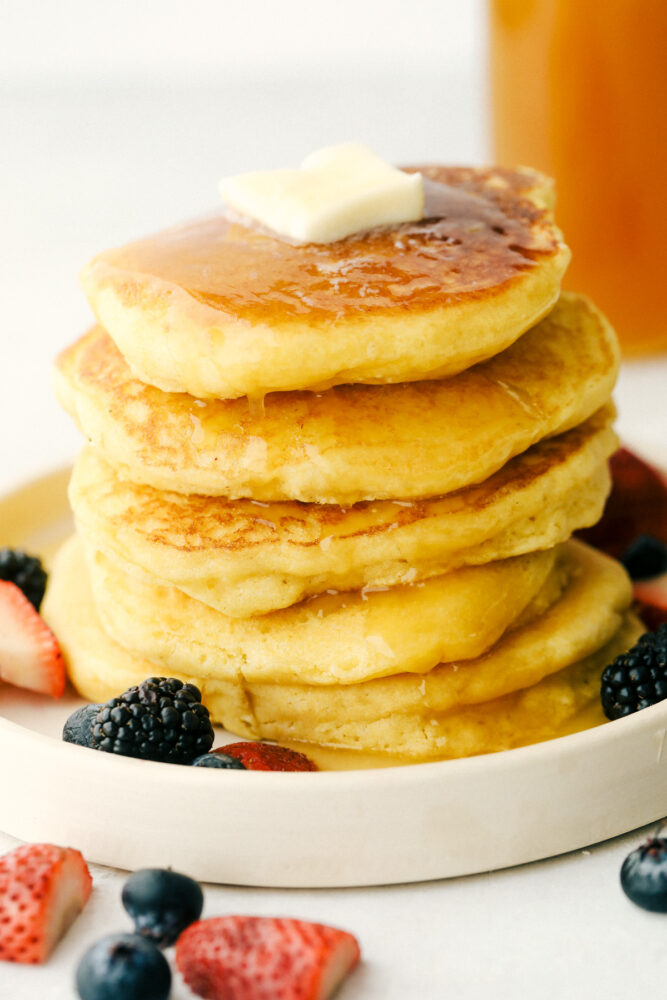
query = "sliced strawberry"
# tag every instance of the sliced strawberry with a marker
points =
(264, 958)
(267, 757)
(637, 505)
(651, 596)
(30, 656)
(43, 888)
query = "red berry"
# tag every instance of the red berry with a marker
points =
(43, 888)
(637, 505)
(651, 597)
(267, 757)
(264, 958)
(30, 656)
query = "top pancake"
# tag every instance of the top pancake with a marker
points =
(219, 310)
(350, 443)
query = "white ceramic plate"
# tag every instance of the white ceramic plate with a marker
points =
(336, 828)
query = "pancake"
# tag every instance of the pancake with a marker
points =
(557, 658)
(243, 559)
(351, 443)
(565, 701)
(586, 615)
(336, 637)
(218, 310)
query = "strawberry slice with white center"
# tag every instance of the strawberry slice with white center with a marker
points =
(264, 958)
(651, 596)
(43, 888)
(30, 656)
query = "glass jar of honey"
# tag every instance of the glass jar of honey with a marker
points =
(579, 91)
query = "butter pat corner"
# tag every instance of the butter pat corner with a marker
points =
(337, 191)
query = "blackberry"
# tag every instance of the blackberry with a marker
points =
(638, 678)
(160, 719)
(26, 572)
(162, 903)
(644, 875)
(645, 558)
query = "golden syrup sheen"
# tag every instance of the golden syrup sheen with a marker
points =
(474, 237)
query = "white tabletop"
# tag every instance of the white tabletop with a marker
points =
(558, 930)
(82, 170)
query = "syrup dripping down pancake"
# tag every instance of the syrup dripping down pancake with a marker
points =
(532, 685)
(351, 443)
(341, 637)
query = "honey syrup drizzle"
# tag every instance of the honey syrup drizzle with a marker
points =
(475, 236)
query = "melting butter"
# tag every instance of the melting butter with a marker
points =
(337, 191)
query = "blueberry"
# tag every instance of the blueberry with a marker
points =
(162, 903)
(123, 965)
(78, 727)
(218, 760)
(645, 558)
(644, 875)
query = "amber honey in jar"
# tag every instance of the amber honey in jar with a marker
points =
(579, 90)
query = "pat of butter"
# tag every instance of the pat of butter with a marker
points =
(335, 192)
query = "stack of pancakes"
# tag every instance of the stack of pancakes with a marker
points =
(334, 485)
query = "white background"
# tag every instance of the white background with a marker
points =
(142, 40)
(119, 118)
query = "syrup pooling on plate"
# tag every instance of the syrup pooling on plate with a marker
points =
(472, 239)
